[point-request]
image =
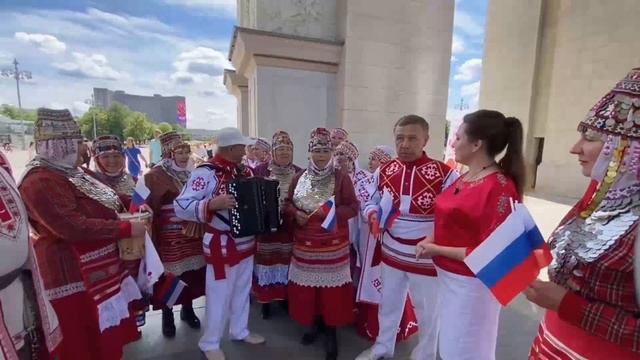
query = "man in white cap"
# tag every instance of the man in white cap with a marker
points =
(229, 261)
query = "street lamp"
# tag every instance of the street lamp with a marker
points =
(17, 75)
(92, 102)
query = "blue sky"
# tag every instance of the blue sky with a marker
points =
(171, 47)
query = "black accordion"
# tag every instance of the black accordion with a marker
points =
(257, 208)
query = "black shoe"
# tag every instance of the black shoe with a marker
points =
(168, 325)
(331, 344)
(189, 316)
(266, 311)
(310, 337)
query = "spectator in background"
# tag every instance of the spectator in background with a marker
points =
(155, 149)
(85, 153)
(134, 155)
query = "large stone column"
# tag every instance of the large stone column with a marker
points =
(237, 86)
(395, 62)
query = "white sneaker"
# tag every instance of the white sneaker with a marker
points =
(369, 355)
(253, 339)
(214, 355)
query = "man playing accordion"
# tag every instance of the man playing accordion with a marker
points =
(204, 200)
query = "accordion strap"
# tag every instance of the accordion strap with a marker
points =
(223, 219)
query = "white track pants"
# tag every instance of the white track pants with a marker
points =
(424, 297)
(227, 299)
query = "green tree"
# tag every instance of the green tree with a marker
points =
(165, 127)
(138, 127)
(102, 123)
(117, 119)
(12, 112)
(182, 131)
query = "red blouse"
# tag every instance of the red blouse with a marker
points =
(467, 212)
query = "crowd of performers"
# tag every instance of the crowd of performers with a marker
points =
(67, 290)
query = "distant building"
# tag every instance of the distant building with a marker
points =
(158, 108)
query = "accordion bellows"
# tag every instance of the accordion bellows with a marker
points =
(258, 206)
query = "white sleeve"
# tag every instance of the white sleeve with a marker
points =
(374, 195)
(450, 179)
(191, 204)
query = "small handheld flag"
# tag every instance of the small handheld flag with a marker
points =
(387, 213)
(151, 267)
(329, 208)
(140, 194)
(511, 257)
(167, 291)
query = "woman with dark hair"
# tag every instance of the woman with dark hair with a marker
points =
(465, 214)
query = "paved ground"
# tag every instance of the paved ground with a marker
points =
(518, 322)
(518, 325)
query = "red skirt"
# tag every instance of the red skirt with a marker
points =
(273, 255)
(367, 321)
(333, 304)
(81, 336)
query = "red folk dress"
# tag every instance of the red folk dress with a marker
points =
(76, 252)
(273, 251)
(319, 276)
(180, 254)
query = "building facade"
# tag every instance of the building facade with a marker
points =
(356, 64)
(158, 108)
(547, 62)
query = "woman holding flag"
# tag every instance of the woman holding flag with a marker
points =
(180, 250)
(466, 213)
(320, 201)
(592, 302)
(75, 218)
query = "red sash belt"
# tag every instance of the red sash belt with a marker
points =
(377, 252)
(216, 258)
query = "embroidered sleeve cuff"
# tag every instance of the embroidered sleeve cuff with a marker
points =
(202, 211)
(124, 230)
(572, 307)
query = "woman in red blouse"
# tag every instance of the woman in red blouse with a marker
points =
(320, 288)
(466, 214)
(592, 300)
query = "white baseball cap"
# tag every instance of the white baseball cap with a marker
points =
(231, 136)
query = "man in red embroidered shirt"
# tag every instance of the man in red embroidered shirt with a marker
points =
(229, 260)
(414, 180)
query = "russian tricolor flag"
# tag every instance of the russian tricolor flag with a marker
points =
(387, 213)
(140, 194)
(511, 257)
(329, 208)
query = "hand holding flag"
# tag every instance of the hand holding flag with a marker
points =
(511, 257)
(151, 267)
(140, 194)
(387, 213)
(329, 208)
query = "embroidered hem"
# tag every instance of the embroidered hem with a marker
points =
(189, 264)
(65, 290)
(271, 274)
(334, 276)
(115, 309)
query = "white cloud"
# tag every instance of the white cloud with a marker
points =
(467, 24)
(47, 43)
(453, 58)
(199, 64)
(208, 7)
(79, 108)
(94, 66)
(471, 93)
(469, 70)
(457, 45)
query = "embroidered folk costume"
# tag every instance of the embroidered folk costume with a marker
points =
(320, 285)
(593, 248)
(414, 187)
(262, 151)
(338, 135)
(75, 218)
(229, 260)
(273, 251)
(180, 251)
(465, 214)
(368, 294)
(19, 328)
